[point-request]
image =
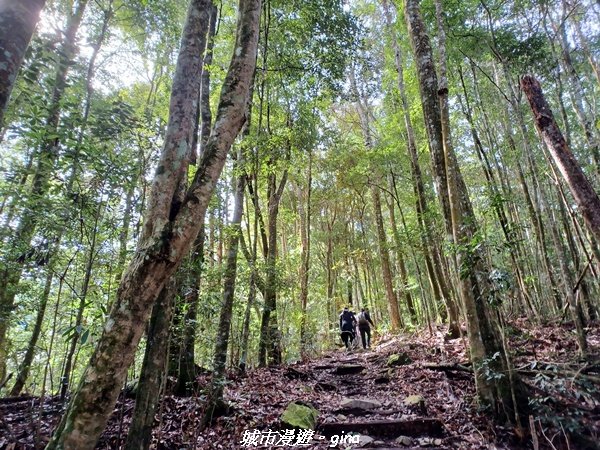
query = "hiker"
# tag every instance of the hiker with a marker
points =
(364, 326)
(347, 324)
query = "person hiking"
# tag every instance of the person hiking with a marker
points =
(364, 326)
(347, 325)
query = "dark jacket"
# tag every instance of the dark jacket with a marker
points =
(347, 320)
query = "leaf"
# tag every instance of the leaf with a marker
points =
(84, 336)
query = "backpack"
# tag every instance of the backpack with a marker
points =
(347, 316)
(362, 320)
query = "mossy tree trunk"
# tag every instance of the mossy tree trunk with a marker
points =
(499, 392)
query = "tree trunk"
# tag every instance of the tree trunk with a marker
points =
(487, 352)
(154, 371)
(167, 237)
(12, 268)
(183, 339)
(270, 341)
(18, 19)
(214, 402)
(305, 216)
(401, 264)
(438, 285)
(384, 255)
(23, 371)
(586, 198)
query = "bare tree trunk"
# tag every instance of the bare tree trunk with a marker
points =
(18, 19)
(401, 264)
(270, 341)
(184, 336)
(384, 254)
(214, 402)
(167, 235)
(305, 216)
(586, 198)
(432, 263)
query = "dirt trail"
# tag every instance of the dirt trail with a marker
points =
(427, 401)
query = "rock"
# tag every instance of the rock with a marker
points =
(404, 440)
(398, 359)
(298, 415)
(364, 441)
(428, 442)
(348, 369)
(386, 428)
(359, 404)
(341, 417)
(415, 401)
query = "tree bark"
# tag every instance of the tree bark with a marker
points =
(154, 371)
(166, 238)
(305, 216)
(487, 352)
(586, 198)
(12, 266)
(214, 402)
(270, 341)
(18, 19)
(432, 263)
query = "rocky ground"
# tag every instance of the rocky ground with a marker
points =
(412, 391)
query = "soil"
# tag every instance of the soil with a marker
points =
(564, 406)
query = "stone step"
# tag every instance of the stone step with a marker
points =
(385, 428)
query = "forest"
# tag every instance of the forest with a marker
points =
(191, 192)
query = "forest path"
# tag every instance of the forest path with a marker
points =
(415, 403)
(374, 400)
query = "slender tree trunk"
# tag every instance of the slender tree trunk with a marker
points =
(270, 341)
(77, 332)
(12, 268)
(184, 335)
(18, 19)
(586, 198)
(440, 291)
(215, 404)
(384, 254)
(167, 235)
(305, 216)
(401, 264)
(23, 371)
(153, 373)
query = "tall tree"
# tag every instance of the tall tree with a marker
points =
(167, 235)
(585, 196)
(11, 264)
(18, 19)
(487, 350)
